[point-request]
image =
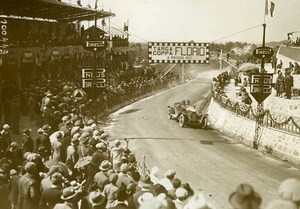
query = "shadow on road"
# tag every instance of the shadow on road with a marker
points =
(206, 142)
(130, 111)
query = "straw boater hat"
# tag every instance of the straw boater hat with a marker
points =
(68, 193)
(289, 190)
(105, 165)
(281, 204)
(145, 181)
(96, 197)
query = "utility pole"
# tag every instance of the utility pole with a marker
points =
(182, 73)
(94, 70)
(221, 59)
(260, 105)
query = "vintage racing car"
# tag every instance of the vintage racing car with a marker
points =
(187, 114)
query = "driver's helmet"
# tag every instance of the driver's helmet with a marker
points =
(183, 102)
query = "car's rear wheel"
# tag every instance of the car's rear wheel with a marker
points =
(204, 122)
(181, 120)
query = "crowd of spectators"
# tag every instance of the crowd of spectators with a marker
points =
(73, 164)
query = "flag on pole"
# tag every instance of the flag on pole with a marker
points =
(96, 4)
(269, 8)
(272, 7)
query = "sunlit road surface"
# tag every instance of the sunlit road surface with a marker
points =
(209, 161)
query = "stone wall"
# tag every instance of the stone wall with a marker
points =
(277, 143)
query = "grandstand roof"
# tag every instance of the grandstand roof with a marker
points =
(50, 9)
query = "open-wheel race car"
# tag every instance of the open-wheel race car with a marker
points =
(187, 114)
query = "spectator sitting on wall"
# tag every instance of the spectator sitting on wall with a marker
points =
(279, 66)
(245, 97)
(296, 68)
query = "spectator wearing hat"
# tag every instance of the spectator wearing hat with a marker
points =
(44, 140)
(167, 181)
(288, 84)
(101, 177)
(144, 185)
(48, 115)
(117, 153)
(46, 182)
(145, 198)
(58, 149)
(29, 193)
(37, 140)
(110, 189)
(181, 196)
(72, 151)
(69, 195)
(198, 201)
(289, 190)
(4, 190)
(83, 148)
(64, 119)
(121, 197)
(124, 178)
(176, 184)
(188, 188)
(31, 103)
(280, 204)
(5, 136)
(67, 136)
(93, 167)
(245, 198)
(51, 196)
(46, 100)
(15, 155)
(94, 200)
(27, 141)
(13, 186)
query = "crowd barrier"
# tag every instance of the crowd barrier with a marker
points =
(287, 124)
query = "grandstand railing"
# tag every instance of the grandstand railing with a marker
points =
(289, 124)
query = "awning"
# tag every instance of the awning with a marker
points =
(113, 31)
(50, 9)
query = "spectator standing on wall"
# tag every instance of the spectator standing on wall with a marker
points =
(296, 68)
(279, 66)
(279, 84)
(288, 84)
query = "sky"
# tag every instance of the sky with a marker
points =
(202, 20)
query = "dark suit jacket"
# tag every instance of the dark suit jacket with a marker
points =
(50, 197)
(45, 142)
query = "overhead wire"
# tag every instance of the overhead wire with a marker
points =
(237, 33)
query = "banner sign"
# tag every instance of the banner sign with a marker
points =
(261, 86)
(55, 54)
(4, 36)
(66, 53)
(190, 53)
(28, 57)
(87, 78)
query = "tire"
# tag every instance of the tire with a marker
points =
(170, 116)
(204, 122)
(181, 120)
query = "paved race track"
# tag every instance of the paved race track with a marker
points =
(206, 159)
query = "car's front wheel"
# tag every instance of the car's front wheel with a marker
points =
(181, 120)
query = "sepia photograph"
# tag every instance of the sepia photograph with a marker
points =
(149, 104)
